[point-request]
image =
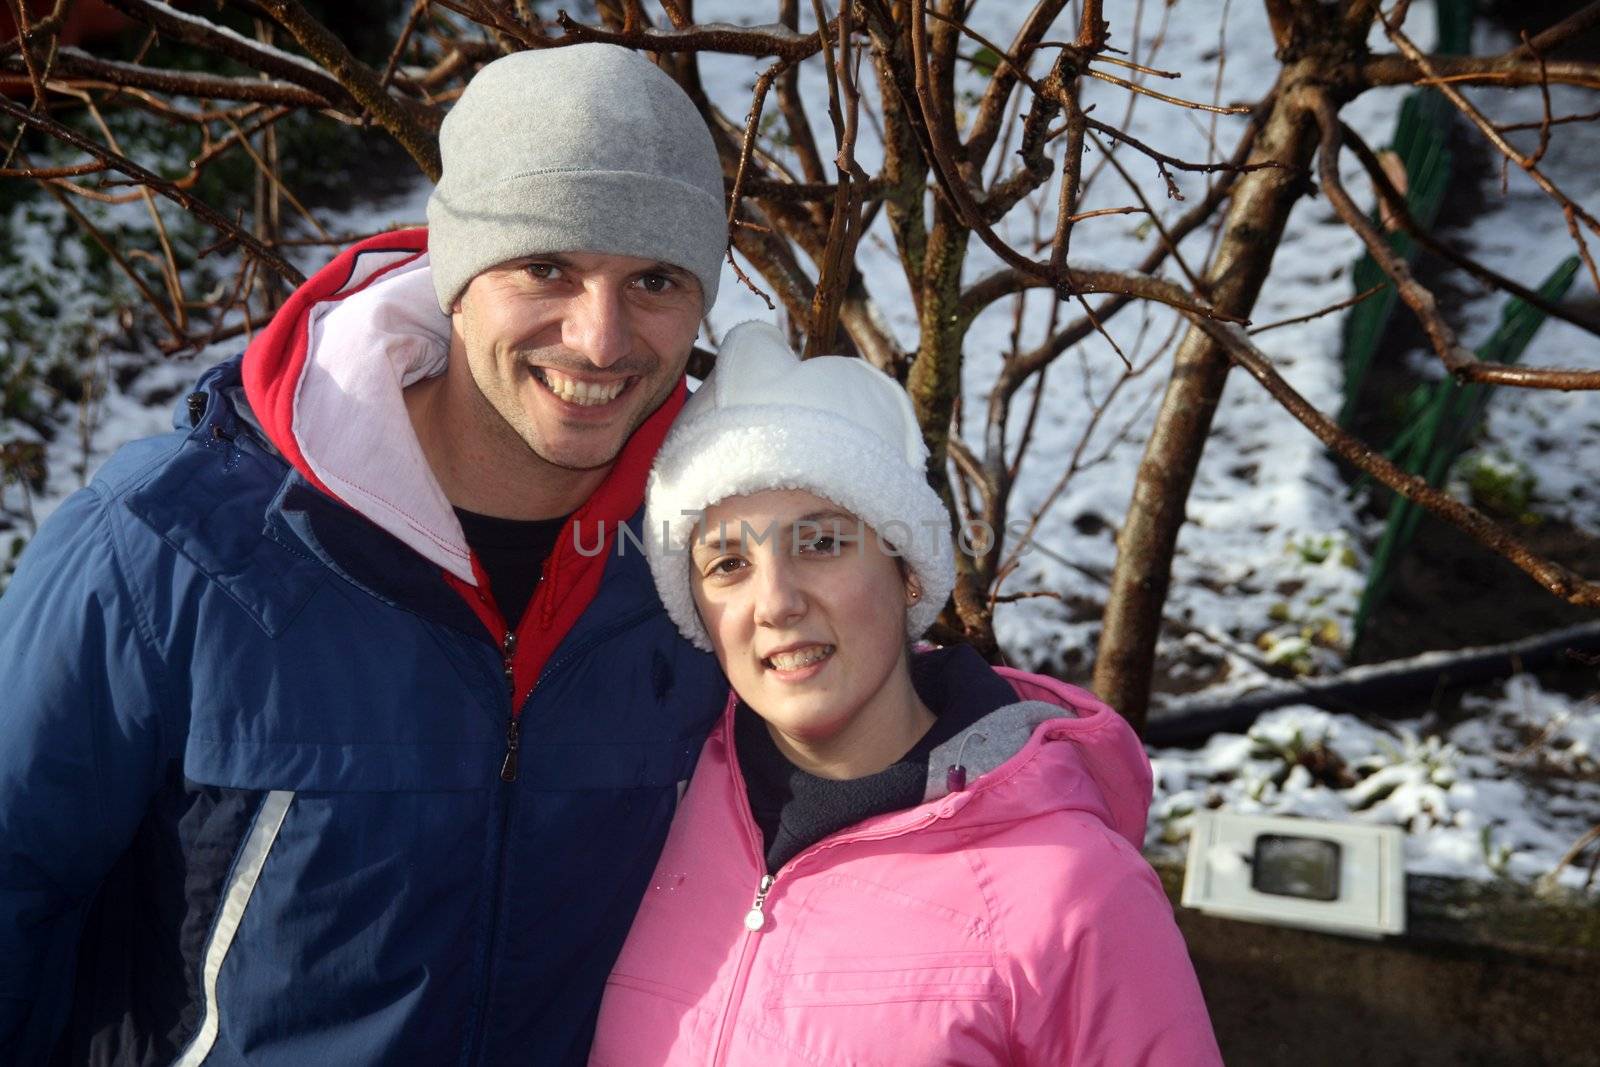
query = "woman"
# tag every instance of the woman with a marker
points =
(883, 857)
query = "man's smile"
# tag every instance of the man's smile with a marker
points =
(584, 394)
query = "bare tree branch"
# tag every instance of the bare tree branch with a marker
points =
(1395, 202)
(1416, 296)
(74, 61)
(1507, 71)
(202, 33)
(1560, 581)
(363, 84)
(705, 37)
(122, 164)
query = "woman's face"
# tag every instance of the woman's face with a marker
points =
(806, 611)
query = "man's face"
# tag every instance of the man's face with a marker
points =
(574, 351)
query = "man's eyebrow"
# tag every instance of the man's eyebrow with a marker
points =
(553, 258)
(675, 273)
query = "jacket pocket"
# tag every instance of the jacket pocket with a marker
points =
(943, 976)
(859, 942)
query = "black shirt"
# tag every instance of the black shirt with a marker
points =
(795, 809)
(512, 553)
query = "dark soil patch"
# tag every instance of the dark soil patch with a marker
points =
(1451, 592)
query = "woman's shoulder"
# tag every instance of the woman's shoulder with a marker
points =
(1055, 862)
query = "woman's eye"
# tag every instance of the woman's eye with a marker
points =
(827, 546)
(726, 565)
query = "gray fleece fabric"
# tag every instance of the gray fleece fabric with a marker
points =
(987, 743)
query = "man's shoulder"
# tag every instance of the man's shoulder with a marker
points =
(134, 463)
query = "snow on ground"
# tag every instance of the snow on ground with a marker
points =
(1274, 553)
(1556, 435)
(1503, 795)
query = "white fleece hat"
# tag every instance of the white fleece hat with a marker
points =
(834, 426)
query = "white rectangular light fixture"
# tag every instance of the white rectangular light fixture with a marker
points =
(1338, 877)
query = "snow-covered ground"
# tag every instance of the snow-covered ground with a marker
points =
(1502, 795)
(1272, 562)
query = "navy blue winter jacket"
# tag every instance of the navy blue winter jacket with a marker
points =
(252, 807)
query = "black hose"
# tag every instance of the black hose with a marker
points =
(1360, 689)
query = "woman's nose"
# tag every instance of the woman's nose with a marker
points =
(780, 600)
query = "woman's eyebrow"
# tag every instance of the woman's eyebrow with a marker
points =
(716, 540)
(830, 516)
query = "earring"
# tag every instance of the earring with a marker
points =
(916, 594)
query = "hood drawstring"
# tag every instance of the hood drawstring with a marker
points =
(955, 778)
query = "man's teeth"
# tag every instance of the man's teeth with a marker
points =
(793, 661)
(584, 394)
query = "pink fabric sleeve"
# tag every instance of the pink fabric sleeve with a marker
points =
(1106, 979)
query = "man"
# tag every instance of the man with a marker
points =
(288, 772)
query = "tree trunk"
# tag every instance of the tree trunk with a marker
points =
(1252, 228)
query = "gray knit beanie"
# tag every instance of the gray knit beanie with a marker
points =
(587, 148)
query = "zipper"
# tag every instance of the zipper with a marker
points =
(508, 767)
(755, 920)
(508, 650)
(508, 774)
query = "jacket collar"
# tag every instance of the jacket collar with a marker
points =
(1058, 748)
(326, 378)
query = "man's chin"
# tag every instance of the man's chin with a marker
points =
(578, 463)
(579, 456)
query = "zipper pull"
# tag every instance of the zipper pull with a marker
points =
(755, 918)
(508, 769)
(508, 649)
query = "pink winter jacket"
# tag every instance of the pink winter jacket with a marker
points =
(1013, 922)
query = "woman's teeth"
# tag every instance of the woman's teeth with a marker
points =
(583, 394)
(793, 661)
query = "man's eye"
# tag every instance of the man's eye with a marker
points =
(543, 271)
(656, 283)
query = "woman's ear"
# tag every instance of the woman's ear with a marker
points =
(913, 589)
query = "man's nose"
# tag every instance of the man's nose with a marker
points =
(596, 326)
(779, 598)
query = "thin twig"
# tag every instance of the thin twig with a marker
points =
(361, 83)
(109, 248)
(419, 8)
(705, 37)
(122, 164)
(1329, 310)
(1544, 93)
(41, 173)
(1233, 109)
(271, 174)
(1400, 214)
(1416, 296)
(1573, 212)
